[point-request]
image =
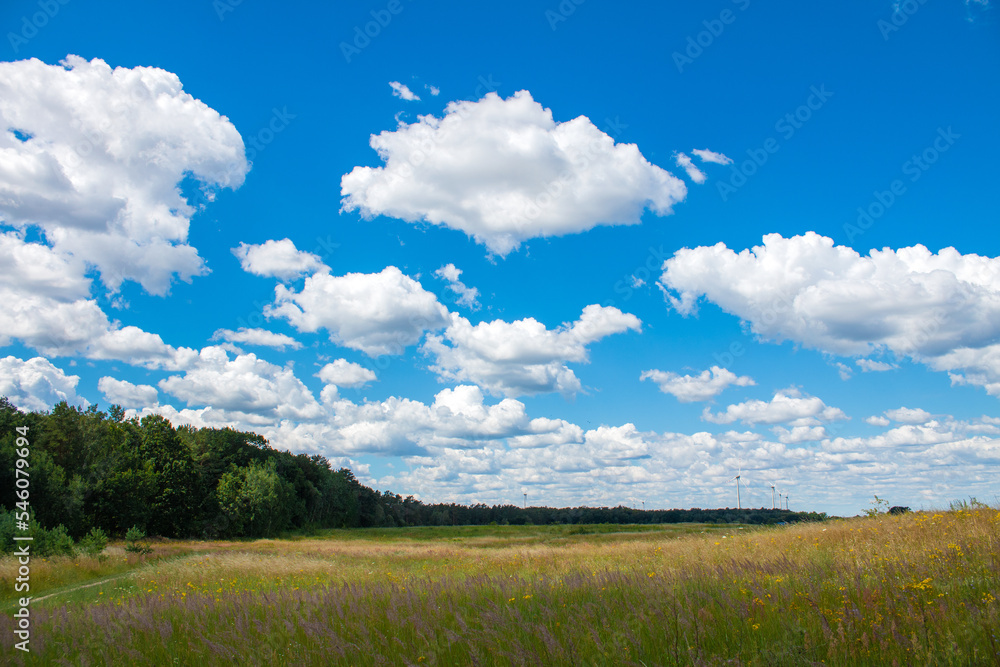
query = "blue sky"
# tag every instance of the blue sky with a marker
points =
(606, 254)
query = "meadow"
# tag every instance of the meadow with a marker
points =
(914, 589)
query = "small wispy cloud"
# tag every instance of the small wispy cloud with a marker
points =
(870, 366)
(260, 337)
(706, 155)
(693, 172)
(401, 90)
(434, 90)
(975, 9)
(467, 296)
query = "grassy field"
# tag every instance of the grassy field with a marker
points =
(917, 589)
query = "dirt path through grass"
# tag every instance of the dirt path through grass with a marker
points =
(78, 588)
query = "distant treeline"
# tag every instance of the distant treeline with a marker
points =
(91, 469)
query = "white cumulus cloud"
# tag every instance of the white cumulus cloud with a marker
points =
(467, 296)
(909, 415)
(522, 357)
(344, 373)
(787, 406)
(97, 161)
(36, 384)
(504, 171)
(702, 387)
(277, 259)
(126, 394)
(245, 385)
(377, 313)
(939, 308)
(799, 434)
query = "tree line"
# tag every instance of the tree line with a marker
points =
(91, 469)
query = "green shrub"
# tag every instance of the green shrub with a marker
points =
(94, 542)
(53, 542)
(134, 543)
(45, 542)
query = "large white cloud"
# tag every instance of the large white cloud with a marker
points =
(36, 384)
(124, 393)
(909, 415)
(344, 373)
(94, 156)
(46, 298)
(377, 313)
(522, 357)
(47, 312)
(277, 259)
(702, 387)
(504, 171)
(246, 385)
(940, 308)
(33, 268)
(788, 406)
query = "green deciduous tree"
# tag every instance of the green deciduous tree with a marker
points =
(256, 500)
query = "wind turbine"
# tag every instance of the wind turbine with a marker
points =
(772, 494)
(737, 478)
(524, 490)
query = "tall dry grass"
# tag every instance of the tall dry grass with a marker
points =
(911, 589)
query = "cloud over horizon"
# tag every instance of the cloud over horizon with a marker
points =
(942, 309)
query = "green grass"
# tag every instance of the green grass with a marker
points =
(914, 589)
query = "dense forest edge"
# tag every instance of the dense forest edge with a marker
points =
(97, 471)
